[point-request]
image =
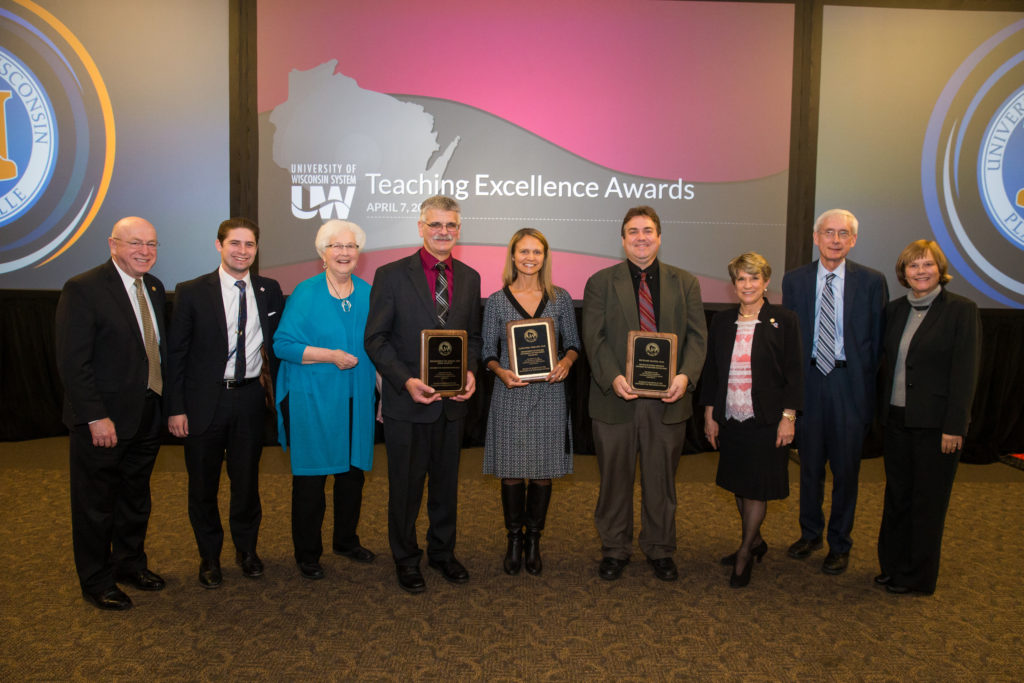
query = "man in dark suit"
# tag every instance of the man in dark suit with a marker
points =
(841, 307)
(422, 430)
(640, 294)
(219, 344)
(110, 348)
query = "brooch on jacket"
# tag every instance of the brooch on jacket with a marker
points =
(772, 321)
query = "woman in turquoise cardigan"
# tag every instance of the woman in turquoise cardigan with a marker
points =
(325, 397)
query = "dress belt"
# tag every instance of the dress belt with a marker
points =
(839, 363)
(238, 383)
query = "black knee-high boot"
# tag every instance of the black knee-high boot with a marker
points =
(513, 503)
(537, 499)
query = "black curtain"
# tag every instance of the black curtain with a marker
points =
(31, 393)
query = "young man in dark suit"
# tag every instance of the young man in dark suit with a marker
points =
(423, 431)
(220, 340)
(110, 348)
(841, 307)
(627, 427)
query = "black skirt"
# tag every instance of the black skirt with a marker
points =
(749, 464)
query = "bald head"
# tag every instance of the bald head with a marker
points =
(133, 245)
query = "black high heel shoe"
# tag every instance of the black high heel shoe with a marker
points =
(741, 580)
(757, 552)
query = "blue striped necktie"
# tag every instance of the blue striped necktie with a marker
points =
(826, 360)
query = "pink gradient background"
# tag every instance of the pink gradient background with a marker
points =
(569, 270)
(699, 91)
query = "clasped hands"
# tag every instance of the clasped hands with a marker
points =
(424, 393)
(675, 391)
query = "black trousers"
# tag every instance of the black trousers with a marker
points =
(234, 436)
(309, 504)
(110, 500)
(918, 482)
(417, 451)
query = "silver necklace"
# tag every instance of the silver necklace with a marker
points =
(346, 305)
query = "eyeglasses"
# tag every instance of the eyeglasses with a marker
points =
(349, 246)
(436, 226)
(137, 244)
(832, 234)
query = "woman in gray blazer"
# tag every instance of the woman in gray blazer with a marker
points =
(932, 345)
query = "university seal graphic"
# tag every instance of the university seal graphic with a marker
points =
(56, 137)
(972, 167)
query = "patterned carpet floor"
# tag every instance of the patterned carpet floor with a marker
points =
(792, 623)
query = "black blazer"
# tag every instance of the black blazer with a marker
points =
(101, 356)
(400, 308)
(776, 365)
(942, 362)
(198, 345)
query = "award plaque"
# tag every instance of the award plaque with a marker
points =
(443, 360)
(531, 348)
(651, 363)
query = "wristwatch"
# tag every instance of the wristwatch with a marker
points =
(789, 416)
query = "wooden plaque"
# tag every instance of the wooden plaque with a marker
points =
(651, 363)
(443, 360)
(531, 348)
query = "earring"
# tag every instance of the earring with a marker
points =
(325, 265)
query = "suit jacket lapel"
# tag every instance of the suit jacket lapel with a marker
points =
(414, 270)
(623, 284)
(806, 304)
(216, 299)
(849, 291)
(260, 293)
(931, 319)
(123, 303)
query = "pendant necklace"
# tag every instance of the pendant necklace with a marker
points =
(346, 305)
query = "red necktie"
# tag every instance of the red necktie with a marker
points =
(647, 320)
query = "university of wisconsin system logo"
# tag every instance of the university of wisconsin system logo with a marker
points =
(972, 167)
(56, 137)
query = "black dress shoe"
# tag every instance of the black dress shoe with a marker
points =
(410, 579)
(883, 579)
(758, 551)
(835, 563)
(311, 570)
(452, 570)
(113, 599)
(898, 590)
(143, 579)
(252, 566)
(359, 554)
(804, 547)
(611, 568)
(664, 568)
(209, 573)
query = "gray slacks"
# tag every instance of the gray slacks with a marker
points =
(657, 446)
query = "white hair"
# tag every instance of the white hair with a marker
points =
(331, 229)
(851, 220)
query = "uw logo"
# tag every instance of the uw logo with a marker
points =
(57, 138)
(327, 205)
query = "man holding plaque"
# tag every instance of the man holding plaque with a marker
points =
(428, 290)
(646, 296)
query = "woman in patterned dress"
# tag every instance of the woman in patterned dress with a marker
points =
(752, 388)
(529, 421)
